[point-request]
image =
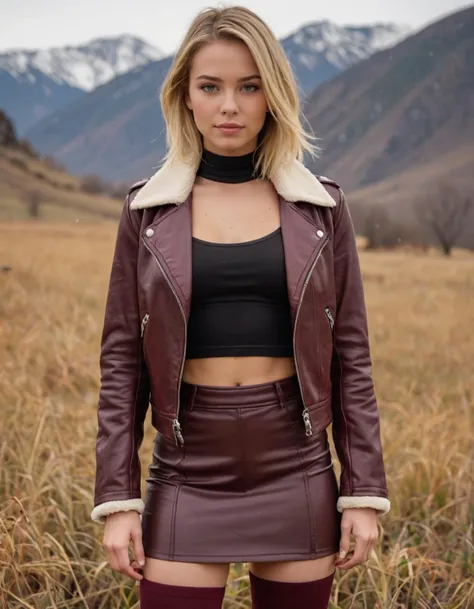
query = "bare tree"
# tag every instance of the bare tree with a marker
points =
(93, 184)
(382, 231)
(446, 212)
(33, 200)
(376, 226)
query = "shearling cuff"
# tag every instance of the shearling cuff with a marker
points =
(102, 510)
(381, 504)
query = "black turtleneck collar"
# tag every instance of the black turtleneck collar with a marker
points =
(231, 169)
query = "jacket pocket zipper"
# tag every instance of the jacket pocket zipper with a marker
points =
(305, 414)
(330, 317)
(178, 435)
(144, 323)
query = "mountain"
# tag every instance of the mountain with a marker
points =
(318, 51)
(32, 187)
(33, 84)
(406, 107)
(118, 132)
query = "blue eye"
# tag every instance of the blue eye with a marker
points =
(205, 88)
(253, 87)
(249, 88)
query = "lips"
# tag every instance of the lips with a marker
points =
(229, 128)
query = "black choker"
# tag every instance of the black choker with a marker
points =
(222, 168)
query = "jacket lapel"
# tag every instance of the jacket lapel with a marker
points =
(172, 244)
(302, 242)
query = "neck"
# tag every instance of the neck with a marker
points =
(231, 169)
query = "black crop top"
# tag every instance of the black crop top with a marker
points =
(240, 303)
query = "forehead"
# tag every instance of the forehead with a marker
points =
(226, 59)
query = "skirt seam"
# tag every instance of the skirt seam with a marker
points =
(308, 502)
(243, 453)
(173, 521)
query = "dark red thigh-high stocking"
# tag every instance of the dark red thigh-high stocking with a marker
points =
(154, 595)
(267, 594)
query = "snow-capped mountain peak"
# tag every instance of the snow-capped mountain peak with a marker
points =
(338, 45)
(83, 67)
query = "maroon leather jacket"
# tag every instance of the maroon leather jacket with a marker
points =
(145, 325)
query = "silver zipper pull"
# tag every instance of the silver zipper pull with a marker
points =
(177, 433)
(144, 323)
(307, 422)
(330, 317)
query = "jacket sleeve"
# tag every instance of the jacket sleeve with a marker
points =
(124, 386)
(356, 425)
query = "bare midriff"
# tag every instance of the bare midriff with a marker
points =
(233, 213)
(237, 371)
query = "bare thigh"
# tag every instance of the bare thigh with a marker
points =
(295, 571)
(176, 573)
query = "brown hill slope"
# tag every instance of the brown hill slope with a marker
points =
(35, 187)
(404, 189)
(402, 193)
(402, 107)
(23, 179)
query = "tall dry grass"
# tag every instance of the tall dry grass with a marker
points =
(421, 313)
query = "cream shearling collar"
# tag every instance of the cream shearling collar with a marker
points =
(173, 182)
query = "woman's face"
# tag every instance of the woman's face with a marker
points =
(225, 88)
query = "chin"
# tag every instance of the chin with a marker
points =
(232, 144)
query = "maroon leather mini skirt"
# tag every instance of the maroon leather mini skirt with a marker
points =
(247, 486)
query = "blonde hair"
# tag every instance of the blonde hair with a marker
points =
(283, 137)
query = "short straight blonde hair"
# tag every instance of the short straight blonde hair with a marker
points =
(283, 137)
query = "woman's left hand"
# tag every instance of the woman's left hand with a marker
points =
(362, 523)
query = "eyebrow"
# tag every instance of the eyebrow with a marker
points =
(216, 79)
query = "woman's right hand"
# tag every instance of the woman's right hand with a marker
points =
(120, 527)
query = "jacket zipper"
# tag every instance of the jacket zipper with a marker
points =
(178, 435)
(305, 414)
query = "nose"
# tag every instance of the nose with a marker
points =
(229, 103)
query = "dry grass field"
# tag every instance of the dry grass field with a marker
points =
(421, 314)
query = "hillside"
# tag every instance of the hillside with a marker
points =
(27, 180)
(401, 109)
(117, 130)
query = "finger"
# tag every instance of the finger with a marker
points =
(345, 541)
(358, 555)
(372, 547)
(124, 564)
(136, 567)
(138, 546)
(112, 559)
(366, 553)
(340, 562)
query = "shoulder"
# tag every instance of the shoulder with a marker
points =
(333, 188)
(132, 191)
(325, 180)
(133, 219)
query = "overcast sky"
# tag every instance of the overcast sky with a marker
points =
(45, 23)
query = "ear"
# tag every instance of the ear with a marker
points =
(187, 99)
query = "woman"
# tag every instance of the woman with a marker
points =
(236, 308)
